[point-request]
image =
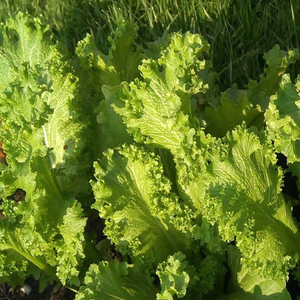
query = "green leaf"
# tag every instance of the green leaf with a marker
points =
(121, 63)
(283, 121)
(278, 62)
(255, 286)
(247, 105)
(243, 197)
(22, 42)
(173, 277)
(43, 140)
(101, 75)
(109, 281)
(124, 54)
(234, 109)
(233, 183)
(142, 216)
(69, 247)
(157, 109)
(112, 123)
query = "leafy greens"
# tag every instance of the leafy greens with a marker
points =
(186, 179)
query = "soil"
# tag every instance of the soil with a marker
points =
(51, 292)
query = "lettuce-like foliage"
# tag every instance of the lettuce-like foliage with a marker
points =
(146, 221)
(234, 109)
(142, 216)
(116, 281)
(246, 286)
(180, 279)
(244, 189)
(233, 182)
(283, 121)
(41, 222)
(173, 277)
(120, 64)
(101, 74)
(112, 125)
(278, 62)
(23, 43)
(158, 107)
(120, 280)
(181, 170)
(237, 106)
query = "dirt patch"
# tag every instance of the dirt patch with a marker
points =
(51, 292)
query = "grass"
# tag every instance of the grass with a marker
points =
(239, 31)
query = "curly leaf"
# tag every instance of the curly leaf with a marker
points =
(121, 63)
(278, 62)
(112, 123)
(116, 281)
(143, 218)
(157, 108)
(243, 197)
(100, 75)
(283, 121)
(43, 142)
(174, 279)
(231, 112)
(69, 248)
(247, 286)
(22, 42)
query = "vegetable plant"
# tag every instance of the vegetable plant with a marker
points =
(187, 180)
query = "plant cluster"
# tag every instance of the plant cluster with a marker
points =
(185, 178)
